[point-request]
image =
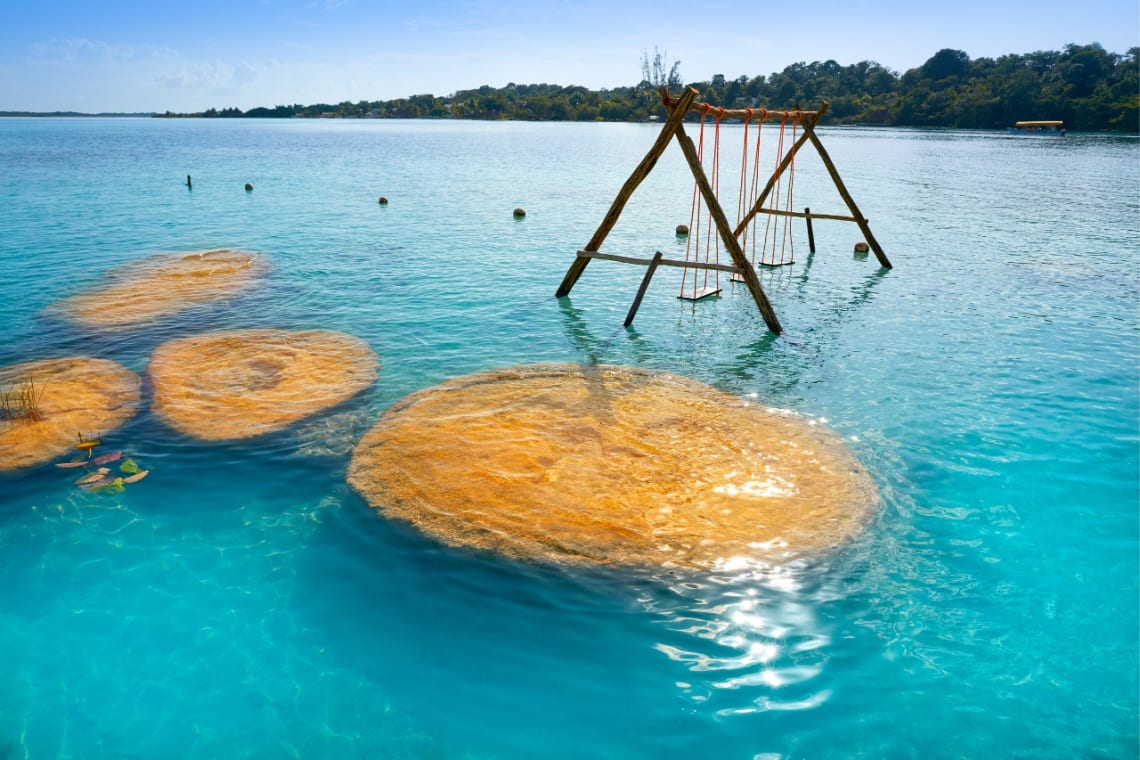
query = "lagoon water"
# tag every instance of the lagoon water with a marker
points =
(242, 601)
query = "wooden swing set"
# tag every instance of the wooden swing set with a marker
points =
(774, 201)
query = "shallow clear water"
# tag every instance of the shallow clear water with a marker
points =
(243, 602)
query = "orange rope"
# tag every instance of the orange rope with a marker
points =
(754, 190)
(712, 242)
(742, 196)
(788, 205)
(769, 257)
(693, 250)
(694, 215)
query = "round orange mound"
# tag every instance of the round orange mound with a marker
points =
(611, 465)
(72, 397)
(162, 285)
(248, 382)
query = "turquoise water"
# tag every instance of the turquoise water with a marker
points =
(242, 601)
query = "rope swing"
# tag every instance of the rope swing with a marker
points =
(748, 187)
(778, 230)
(709, 226)
(780, 203)
(706, 249)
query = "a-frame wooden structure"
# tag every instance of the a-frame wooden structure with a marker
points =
(741, 267)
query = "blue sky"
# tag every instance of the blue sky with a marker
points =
(158, 55)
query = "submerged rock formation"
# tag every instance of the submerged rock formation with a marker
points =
(50, 404)
(611, 465)
(162, 285)
(245, 383)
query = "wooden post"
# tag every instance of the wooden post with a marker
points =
(809, 132)
(641, 291)
(727, 236)
(631, 184)
(811, 235)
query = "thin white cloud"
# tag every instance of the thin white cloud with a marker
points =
(212, 75)
(81, 50)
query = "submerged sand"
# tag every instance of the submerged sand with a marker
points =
(76, 396)
(245, 383)
(162, 285)
(611, 465)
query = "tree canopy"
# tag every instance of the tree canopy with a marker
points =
(1085, 86)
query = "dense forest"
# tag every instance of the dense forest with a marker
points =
(1087, 87)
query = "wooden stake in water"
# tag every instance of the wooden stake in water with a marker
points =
(644, 286)
(811, 235)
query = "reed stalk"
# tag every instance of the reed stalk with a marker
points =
(21, 402)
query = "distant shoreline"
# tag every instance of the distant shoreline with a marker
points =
(70, 114)
(1084, 86)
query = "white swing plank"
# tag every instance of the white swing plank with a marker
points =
(697, 295)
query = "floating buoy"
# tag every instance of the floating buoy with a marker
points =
(682, 229)
(520, 212)
(248, 186)
(862, 248)
(383, 201)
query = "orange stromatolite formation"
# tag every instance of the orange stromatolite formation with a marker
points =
(611, 465)
(245, 383)
(71, 397)
(161, 285)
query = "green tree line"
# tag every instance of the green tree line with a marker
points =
(1087, 87)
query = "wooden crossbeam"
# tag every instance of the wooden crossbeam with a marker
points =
(748, 114)
(807, 215)
(661, 262)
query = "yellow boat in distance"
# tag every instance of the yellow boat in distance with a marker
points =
(1043, 128)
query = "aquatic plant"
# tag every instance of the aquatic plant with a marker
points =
(22, 402)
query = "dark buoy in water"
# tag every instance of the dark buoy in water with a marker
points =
(189, 184)
(861, 248)
(520, 212)
(383, 201)
(248, 187)
(682, 230)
